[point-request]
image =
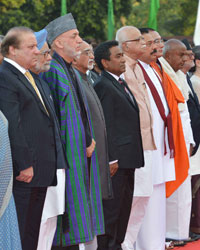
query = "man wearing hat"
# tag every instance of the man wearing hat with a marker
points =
(83, 193)
(55, 197)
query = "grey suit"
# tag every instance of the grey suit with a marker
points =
(99, 126)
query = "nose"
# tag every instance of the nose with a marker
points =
(123, 59)
(49, 57)
(79, 39)
(142, 42)
(154, 46)
(37, 52)
(91, 55)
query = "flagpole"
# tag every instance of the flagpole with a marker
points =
(63, 7)
(154, 6)
(110, 20)
(196, 37)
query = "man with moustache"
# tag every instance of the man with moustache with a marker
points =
(31, 131)
(54, 201)
(83, 63)
(83, 193)
(152, 232)
(124, 141)
(133, 46)
(193, 102)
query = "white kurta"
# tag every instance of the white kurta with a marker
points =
(163, 170)
(180, 202)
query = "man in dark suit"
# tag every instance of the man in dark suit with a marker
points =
(192, 102)
(124, 141)
(31, 131)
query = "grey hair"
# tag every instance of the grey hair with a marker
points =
(121, 34)
(169, 45)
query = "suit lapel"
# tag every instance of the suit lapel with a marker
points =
(45, 97)
(121, 88)
(25, 82)
(193, 95)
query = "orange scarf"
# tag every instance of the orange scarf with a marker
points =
(174, 96)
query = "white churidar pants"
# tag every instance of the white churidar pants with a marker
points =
(54, 205)
(92, 245)
(152, 232)
(179, 211)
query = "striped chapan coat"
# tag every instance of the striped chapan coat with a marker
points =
(83, 191)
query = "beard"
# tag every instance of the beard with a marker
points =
(70, 51)
(90, 64)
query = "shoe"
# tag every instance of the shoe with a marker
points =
(169, 245)
(194, 236)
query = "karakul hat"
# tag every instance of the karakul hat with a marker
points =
(59, 26)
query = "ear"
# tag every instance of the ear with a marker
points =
(167, 56)
(104, 63)
(58, 43)
(125, 47)
(197, 62)
(12, 50)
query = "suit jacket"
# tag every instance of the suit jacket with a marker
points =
(46, 93)
(194, 110)
(122, 122)
(31, 129)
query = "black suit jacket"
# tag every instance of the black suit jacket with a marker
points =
(31, 129)
(44, 89)
(194, 110)
(122, 122)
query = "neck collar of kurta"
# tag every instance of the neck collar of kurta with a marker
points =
(131, 62)
(83, 76)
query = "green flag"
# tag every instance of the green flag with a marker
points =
(63, 7)
(110, 20)
(154, 6)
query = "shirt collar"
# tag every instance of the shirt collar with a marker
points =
(131, 62)
(16, 65)
(145, 65)
(115, 76)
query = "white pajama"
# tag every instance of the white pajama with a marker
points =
(54, 205)
(179, 211)
(143, 188)
(92, 245)
(153, 227)
(152, 232)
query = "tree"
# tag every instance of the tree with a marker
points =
(175, 17)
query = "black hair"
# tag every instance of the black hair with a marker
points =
(102, 51)
(196, 51)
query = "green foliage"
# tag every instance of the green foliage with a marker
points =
(175, 17)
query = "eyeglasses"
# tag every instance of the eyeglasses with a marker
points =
(156, 41)
(46, 53)
(141, 38)
(190, 55)
(87, 52)
(148, 44)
